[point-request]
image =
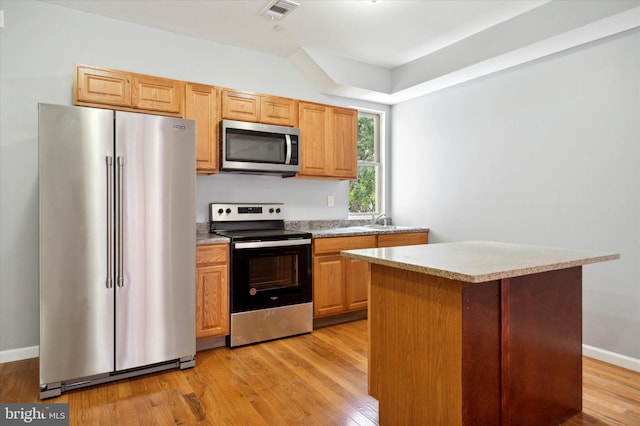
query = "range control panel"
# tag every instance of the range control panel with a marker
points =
(237, 212)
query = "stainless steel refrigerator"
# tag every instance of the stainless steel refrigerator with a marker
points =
(117, 245)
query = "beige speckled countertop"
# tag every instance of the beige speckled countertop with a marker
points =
(207, 238)
(478, 261)
(351, 231)
(204, 237)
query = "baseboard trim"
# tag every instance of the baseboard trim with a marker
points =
(611, 358)
(590, 351)
(19, 354)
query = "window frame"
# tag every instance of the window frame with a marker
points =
(378, 163)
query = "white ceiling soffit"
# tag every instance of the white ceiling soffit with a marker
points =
(545, 29)
(385, 51)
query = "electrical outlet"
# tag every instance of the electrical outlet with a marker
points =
(330, 201)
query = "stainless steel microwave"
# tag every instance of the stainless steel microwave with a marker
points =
(259, 148)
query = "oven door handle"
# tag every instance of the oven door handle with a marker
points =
(279, 243)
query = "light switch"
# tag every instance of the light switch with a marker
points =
(330, 201)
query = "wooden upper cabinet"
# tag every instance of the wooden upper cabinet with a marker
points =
(280, 111)
(328, 141)
(101, 86)
(239, 105)
(314, 149)
(202, 105)
(344, 142)
(157, 94)
(127, 91)
(256, 108)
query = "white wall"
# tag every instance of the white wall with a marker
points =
(39, 46)
(547, 153)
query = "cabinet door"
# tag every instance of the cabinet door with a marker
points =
(328, 286)
(102, 86)
(314, 154)
(237, 105)
(201, 105)
(357, 277)
(212, 301)
(406, 239)
(280, 111)
(344, 140)
(158, 94)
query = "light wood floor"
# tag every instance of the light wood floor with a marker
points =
(316, 379)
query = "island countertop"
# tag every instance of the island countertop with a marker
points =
(478, 261)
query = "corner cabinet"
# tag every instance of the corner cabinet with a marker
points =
(212, 290)
(341, 285)
(107, 88)
(202, 104)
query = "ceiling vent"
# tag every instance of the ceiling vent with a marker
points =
(278, 9)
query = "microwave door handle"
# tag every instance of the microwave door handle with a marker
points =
(287, 159)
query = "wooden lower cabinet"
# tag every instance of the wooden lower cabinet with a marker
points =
(405, 239)
(341, 285)
(212, 290)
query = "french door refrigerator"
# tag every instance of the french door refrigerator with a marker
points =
(117, 245)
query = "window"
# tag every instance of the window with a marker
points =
(365, 191)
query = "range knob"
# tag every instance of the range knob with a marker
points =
(228, 210)
(271, 210)
(278, 210)
(220, 211)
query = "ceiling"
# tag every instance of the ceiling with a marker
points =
(385, 51)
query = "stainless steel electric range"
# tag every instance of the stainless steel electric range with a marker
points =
(270, 272)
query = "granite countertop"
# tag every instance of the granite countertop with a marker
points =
(478, 261)
(351, 231)
(318, 229)
(208, 238)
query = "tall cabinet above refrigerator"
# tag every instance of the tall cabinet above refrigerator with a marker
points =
(117, 245)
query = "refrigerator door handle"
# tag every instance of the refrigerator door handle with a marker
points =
(109, 222)
(120, 276)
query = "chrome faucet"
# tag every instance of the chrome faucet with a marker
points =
(375, 219)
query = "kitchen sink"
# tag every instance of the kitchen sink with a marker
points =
(376, 226)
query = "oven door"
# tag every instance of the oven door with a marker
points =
(268, 274)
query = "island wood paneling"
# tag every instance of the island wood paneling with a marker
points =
(513, 344)
(415, 357)
(542, 347)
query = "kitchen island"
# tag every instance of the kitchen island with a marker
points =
(476, 333)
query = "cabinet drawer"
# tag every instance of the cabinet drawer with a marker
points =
(216, 253)
(335, 245)
(407, 239)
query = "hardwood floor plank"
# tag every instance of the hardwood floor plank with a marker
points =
(315, 379)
